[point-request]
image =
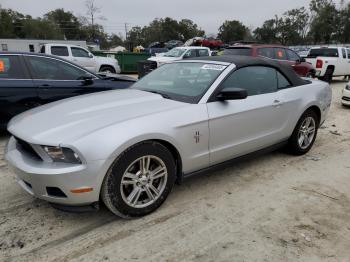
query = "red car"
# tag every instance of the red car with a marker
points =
(207, 42)
(274, 52)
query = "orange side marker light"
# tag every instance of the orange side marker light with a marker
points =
(82, 190)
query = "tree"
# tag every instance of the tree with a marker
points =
(343, 34)
(231, 31)
(163, 30)
(188, 29)
(268, 32)
(290, 29)
(92, 11)
(324, 25)
(68, 24)
(115, 40)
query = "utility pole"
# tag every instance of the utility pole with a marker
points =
(126, 36)
(126, 31)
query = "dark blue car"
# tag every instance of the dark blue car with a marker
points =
(28, 80)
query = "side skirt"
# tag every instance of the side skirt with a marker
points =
(235, 160)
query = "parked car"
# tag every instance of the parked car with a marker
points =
(173, 43)
(156, 51)
(346, 95)
(180, 53)
(175, 54)
(211, 43)
(330, 61)
(82, 57)
(28, 80)
(279, 53)
(128, 147)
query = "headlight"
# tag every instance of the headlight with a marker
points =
(62, 154)
(347, 87)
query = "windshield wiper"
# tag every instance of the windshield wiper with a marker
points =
(158, 93)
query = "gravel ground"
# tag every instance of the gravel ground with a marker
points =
(272, 208)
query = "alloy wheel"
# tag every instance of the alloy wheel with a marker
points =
(306, 132)
(144, 181)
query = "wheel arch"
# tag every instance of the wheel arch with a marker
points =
(331, 68)
(316, 110)
(106, 65)
(176, 154)
(173, 149)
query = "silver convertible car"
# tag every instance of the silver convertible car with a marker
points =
(127, 148)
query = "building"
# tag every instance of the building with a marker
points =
(33, 45)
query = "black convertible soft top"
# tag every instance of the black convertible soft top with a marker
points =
(243, 61)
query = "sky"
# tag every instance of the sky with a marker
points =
(208, 14)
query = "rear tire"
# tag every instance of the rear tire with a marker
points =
(139, 180)
(328, 76)
(304, 134)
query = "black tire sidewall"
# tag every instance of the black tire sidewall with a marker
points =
(111, 184)
(107, 68)
(293, 141)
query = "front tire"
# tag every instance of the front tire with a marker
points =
(107, 69)
(139, 180)
(304, 134)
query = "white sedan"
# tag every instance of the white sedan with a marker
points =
(346, 95)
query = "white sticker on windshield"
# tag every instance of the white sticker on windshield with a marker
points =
(214, 67)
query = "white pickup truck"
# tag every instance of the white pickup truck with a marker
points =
(82, 57)
(179, 53)
(330, 61)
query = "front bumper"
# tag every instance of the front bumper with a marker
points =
(39, 178)
(345, 97)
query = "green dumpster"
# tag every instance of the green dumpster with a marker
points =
(127, 60)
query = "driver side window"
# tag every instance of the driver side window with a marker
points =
(79, 52)
(52, 69)
(256, 80)
(191, 53)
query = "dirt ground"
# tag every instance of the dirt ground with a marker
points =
(273, 208)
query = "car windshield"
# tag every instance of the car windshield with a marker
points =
(244, 51)
(184, 82)
(176, 52)
(323, 52)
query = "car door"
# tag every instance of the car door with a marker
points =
(57, 79)
(83, 58)
(17, 92)
(295, 61)
(239, 127)
(348, 60)
(191, 53)
(344, 63)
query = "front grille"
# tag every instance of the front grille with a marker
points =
(27, 149)
(346, 98)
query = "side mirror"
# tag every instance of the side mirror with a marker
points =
(87, 80)
(301, 60)
(232, 94)
(91, 55)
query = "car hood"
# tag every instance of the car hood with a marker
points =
(70, 119)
